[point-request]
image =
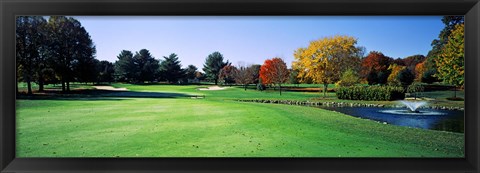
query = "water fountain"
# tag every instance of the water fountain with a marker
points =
(413, 109)
(413, 106)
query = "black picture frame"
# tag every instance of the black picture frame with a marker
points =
(10, 8)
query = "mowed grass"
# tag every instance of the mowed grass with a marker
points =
(215, 126)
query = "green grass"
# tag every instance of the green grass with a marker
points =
(215, 126)
(22, 86)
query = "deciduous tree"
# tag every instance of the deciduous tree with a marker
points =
(450, 62)
(437, 45)
(255, 72)
(375, 67)
(69, 44)
(244, 75)
(394, 71)
(419, 71)
(274, 71)
(324, 60)
(30, 36)
(349, 78)
(105, 71)
(227, 74)
(293, 77)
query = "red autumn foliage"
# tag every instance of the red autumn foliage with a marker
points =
(274, 71)
(376, 62)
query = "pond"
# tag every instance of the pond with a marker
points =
(443, 120)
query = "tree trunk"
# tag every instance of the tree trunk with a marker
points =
(325, 86)
(216, 81)
(68, 86)
(29, 86)
(280, 88)
(245, 87)
(455, 92)
(63, 84)
(40, 84)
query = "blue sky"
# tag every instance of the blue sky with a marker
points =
(254, 39)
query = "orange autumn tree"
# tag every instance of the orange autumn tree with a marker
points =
(420, 68)
(274, 71)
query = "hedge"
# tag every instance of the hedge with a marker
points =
(375, 93)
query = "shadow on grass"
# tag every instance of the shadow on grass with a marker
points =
(97, 95)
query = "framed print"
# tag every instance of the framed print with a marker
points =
(239, 86)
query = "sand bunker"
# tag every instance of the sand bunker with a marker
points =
(110, 88)
(212, 88)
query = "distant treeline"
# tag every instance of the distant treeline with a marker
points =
(60, 51)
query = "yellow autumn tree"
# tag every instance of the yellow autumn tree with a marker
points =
(325, 59)
(395, 70)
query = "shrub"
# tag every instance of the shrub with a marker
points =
(414, 88)
(376, 93)
(261, 87)
(349, 78)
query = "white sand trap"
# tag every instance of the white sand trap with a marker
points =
(110, 88)
(212, 88)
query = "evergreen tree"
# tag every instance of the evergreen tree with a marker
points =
(171, 69)
(125, 68)
(191, 71)
(213, 64)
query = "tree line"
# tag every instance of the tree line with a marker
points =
(61, 51)
(339, 60)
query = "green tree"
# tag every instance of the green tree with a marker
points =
(293, 78)
(437, 45)
(69, 44)
(125, 68)
(213, 64)
(450, 62)
(105, 71)
(406, 77)
(415, 88)
(147, 64)
(30, 36)
(84, 65)
(349, 78)
(191, 72)
(171, 69)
